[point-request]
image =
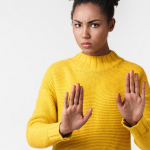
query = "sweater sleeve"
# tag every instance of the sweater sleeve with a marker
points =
(43, 128)
(141, 131)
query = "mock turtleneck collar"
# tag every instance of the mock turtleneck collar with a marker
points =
(95, 63)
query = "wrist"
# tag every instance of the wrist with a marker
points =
(62, 131)
(131, 123)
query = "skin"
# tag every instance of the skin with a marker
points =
(95, 32)
(132, 107)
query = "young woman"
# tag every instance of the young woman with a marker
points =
(113, 93)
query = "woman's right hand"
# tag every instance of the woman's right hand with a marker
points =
(72, 115)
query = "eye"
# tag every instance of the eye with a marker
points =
(92, 24)
(95, 24)
(77, 24)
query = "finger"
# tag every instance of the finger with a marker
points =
(132, 81)
(127, 83)
(119, 102)
(143, 92)
(71, 99)
(81, 98)
(65, 101)
(87, 115)
(77, 93)
(137, 86)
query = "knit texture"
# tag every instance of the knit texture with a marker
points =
(102, 77)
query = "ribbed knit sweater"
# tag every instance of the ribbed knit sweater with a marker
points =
(101, 77)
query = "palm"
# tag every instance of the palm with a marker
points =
(133, 105)
(73, 117)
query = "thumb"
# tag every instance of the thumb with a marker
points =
(119, 102)
(87, 115)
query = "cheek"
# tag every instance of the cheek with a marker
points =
(75, 34)
(101, 32)
(100, 35)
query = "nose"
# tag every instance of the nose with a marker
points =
(85, 33)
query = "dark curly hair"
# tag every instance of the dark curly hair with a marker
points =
(106, 7)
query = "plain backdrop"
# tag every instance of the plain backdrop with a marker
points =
(36, 33)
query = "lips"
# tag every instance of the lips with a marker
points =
(86, 43)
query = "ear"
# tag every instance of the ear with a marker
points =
(112, 24)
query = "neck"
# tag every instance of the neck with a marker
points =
(95, 63)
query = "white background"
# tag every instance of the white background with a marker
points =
(37, 33)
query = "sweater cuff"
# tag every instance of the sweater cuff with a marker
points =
(139, 129)
(54, 134)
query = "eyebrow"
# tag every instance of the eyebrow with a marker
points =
(89, 21)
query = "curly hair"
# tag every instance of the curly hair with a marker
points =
(106, 7)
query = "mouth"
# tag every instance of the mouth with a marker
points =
(86, 45)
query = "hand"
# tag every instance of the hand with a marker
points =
(72, 115)
(133, 105)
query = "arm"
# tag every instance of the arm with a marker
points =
(141, 130)
(42, 129)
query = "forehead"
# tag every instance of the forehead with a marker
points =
(87, 10)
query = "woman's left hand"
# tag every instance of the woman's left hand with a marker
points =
(133, 105)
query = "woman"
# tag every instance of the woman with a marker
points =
(114, 99)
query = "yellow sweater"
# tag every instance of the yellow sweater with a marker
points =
(102, 77)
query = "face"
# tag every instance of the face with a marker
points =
(95, 32)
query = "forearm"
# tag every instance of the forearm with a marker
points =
(140, 132)
(43, 135)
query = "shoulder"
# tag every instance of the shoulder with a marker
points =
(128, 66)
(58, 66)
(53, 70)
(133, 66)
